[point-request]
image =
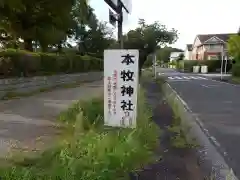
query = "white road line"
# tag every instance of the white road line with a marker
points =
(186, 78)
(174, 78)
(202, 78)
(204, 86)
(197, 77)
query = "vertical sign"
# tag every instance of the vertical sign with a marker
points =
(120, 87)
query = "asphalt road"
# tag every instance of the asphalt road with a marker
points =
(29, 123)
(217, 105)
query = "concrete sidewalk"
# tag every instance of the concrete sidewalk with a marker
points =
(24, 121)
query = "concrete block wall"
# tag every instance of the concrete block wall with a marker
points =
(31, 84)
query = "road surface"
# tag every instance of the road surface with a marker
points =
(217, 105)
(23, 121)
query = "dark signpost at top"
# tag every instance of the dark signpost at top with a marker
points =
(111, 4)
(117, 6)
(112, 18)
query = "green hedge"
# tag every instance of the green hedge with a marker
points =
(236, 70)
(19, 62)
(213, 65)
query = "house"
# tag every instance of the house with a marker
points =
(188, 52)
(210, 46)
(174, 55)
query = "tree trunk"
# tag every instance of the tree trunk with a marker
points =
(28, 45)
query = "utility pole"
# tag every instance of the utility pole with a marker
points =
(120, 22)
(226, 63)
(117, 6)
(222, 63)
(154, 65)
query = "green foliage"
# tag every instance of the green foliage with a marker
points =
(234, 47)
(180, 57)
(178, 137)
(181, 65)
(96, 154)
(147, 38)
(163, 54)
(173, 62)
(213, 65)
(236, 70)
(17, 62)
(92, 110)
(42, 25)
(188, 65)
(234, 51)
(37, 20)
(148, 62)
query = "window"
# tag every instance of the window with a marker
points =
(212, 57)
(212, 46)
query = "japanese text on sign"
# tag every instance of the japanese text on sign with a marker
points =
(124, 83)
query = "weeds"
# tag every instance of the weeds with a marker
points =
(179, 131)
(92, 152)
(178, 138)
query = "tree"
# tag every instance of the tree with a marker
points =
(91, 35)
(163, 54)
(180, 57)
(234, 47)
(36, 19)
(39, 22)
(148, 38)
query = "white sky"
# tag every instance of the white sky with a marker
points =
(189, 17)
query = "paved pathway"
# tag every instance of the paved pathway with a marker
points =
(217, 105)
(23, 121)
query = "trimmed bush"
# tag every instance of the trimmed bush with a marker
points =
(236, 70)
(213, 65)
(181, 65)
(23, 63)
(188, 65)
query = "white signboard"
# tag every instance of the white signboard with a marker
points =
(120, 87)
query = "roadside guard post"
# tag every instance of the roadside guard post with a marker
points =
(120, 87)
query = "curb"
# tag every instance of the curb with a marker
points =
(210, 158)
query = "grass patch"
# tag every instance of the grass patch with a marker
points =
(179, 131)
(92, 152)
(178, 138)
(235, 80)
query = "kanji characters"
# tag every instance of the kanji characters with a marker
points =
(114, 91)
(129, 90)
(109, 95)
(127, 105)
(127, 59)
(127, 75)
